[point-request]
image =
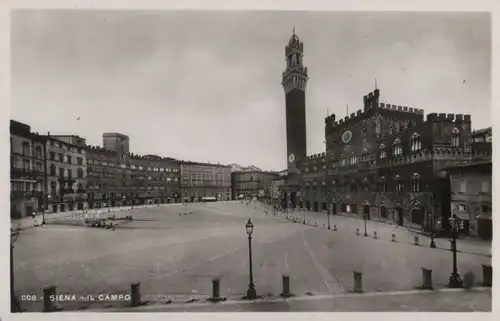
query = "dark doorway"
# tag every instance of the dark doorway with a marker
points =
(293, 199)
(366, 211)
(169, 200)
(63, 207)
(485, 228)
(354, 209)
(324, 206)
(54, 208)
(417, 216)
(316, 207)
(383, 212)
(399, 212)
(79, 206)
(334, 208)
(343, 208)
(308, 205)
(70, 207)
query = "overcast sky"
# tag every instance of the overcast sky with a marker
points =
(206, 86)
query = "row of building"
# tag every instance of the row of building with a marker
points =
(387, 162)
(58, 173)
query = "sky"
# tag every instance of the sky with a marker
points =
(206, 85)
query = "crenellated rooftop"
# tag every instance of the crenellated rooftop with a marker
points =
(456, 118)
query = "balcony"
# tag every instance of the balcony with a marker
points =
(25, 172)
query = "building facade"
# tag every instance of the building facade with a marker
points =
(250, 184)
(471, 199)
(66, 173)
(200, 180)
(27, 170)
(383, 162)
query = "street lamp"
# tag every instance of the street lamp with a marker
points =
(251, 293)
(14, 304)
(365, 218)
(455, 281)
(431, 223)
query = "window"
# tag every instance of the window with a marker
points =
(53, 187)
(61, 172)
(415, 183)
(70, 173)
(383, 153)
(79, 173)
(342, 160)
(462, 187)
(26, 149)
(377, 125)
(53, 170)
(39, 167)
(455, 137)
(354, 186)
(399, 186)
(52, 156)
(486, 187)
(364, 156)
(68, 159)
(382, 184)
(397, 148)
(61, 158)
(354, 159)
(38, 152)
(415, 142)
(79, 161)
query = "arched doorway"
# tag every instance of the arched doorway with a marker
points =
(383, 212)
(399, 214)
(366, 211)
(417, 216)
(343, 208)
(334, 208)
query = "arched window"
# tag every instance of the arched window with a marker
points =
(383, 152)
(342, 160)
(364, 156)
(377, 125)
(354, 159)
(26, 149)
(38, 152)
(382, 184)
(455, 137)
(399, 186)
(415, 142)
(53, 170)
(366, 184)
(397, 148)
(415, 183)
(354, 186)
(53, 187)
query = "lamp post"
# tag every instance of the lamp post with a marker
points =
(455, 281)
(431, 223)
(14, 304)
(365, 217)
(251, 293)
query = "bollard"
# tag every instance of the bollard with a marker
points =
(357, 231)
(393, 237)
(358, 282)
(487, 275)
(215, 290)
(286, 286)
(375, 235)
(416, 240)
(49, 294)
(135, 295)
(335, 227)
(427, 279)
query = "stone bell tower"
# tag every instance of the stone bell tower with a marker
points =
(294, 83)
